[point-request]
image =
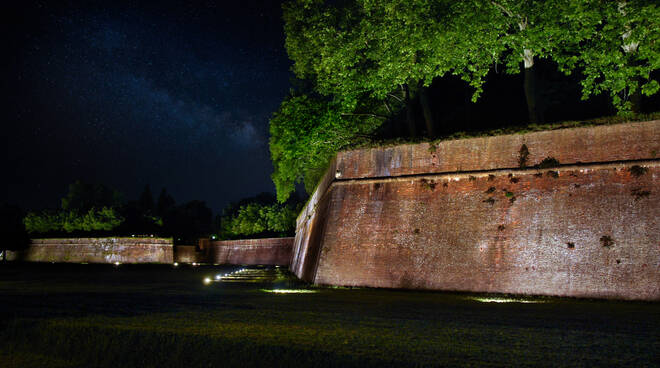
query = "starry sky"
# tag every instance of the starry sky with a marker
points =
(126, 94)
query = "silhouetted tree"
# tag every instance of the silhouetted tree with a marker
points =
(188, 222)
(146, 201)
(14, 236)
(165, 203)
(84, 196)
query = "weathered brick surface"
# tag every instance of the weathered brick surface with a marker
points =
(620, 142)
(272, 251)
(98, 250)
(189, 254)
(582, 230)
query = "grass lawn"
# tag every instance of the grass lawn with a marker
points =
(56, 315)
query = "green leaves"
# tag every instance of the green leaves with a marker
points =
(256, 218)
(363, 54)
(305, 134)
(103, 219)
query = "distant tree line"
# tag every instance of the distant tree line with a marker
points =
(95, 210)
(90, 210)
(363, 65)
(259, 217)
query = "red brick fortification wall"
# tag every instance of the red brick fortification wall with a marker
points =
(189, 254)
(272, 251)
(588, 228)
(99, 250)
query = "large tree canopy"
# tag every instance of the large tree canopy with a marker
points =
(386, 49)
(368, 59)
(305, 134)
(621, 52)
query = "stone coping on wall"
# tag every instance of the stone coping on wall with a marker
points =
(124, 240)
(632, 141)
(98, 250)
(596, 144)
(263, 242)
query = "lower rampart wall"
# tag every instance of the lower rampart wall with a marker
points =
(189, 254)
(97, 250)
(589, 229)
(272, 251)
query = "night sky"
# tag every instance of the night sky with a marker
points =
(174, 95)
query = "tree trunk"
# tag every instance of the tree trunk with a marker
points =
(530, 87)
(636, 99)
(426, 109)
(630, 48)
(410, 114)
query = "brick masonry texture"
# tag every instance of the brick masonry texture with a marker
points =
(189, 254)
(470, 220)
(98, 250)
(272, 251)
(620, 142)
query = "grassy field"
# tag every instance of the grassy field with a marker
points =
(55, 315)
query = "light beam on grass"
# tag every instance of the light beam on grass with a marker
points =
(290, 291)
(504, 300)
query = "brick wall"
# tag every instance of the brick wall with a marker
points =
(272, 251)
(189, 254)
(97, 250)
(465, 217)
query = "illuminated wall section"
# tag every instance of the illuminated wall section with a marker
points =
(98, 250)
(462, 215)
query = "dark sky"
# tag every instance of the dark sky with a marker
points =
(174, 95)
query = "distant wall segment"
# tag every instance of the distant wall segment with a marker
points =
(271, 251)
(97, 250)
(463, 215)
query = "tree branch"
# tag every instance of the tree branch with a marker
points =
(502, 8)
(371, 115)
(396, 97)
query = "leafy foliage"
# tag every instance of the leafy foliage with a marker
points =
(373, 47)
(103, 219)
(305, 133)
(260, 219)
(621, 51)
(371, 59)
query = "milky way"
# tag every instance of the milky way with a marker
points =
(171, 95)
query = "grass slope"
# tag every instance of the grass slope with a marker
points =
(158, 316)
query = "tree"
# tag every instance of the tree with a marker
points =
(305, 133)
(529, 30)
(621, 51)
(257, 219)
(165, 203)
(94, 220)
(84, 196)
(14, 236)
(389, 50)
(189, 221)
(146, 201)
(85, 208)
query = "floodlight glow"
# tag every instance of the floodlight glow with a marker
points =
(207, 280)
(218, 277)
(290, 291)
(505, 300)
(176, 264)
(117, 263)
